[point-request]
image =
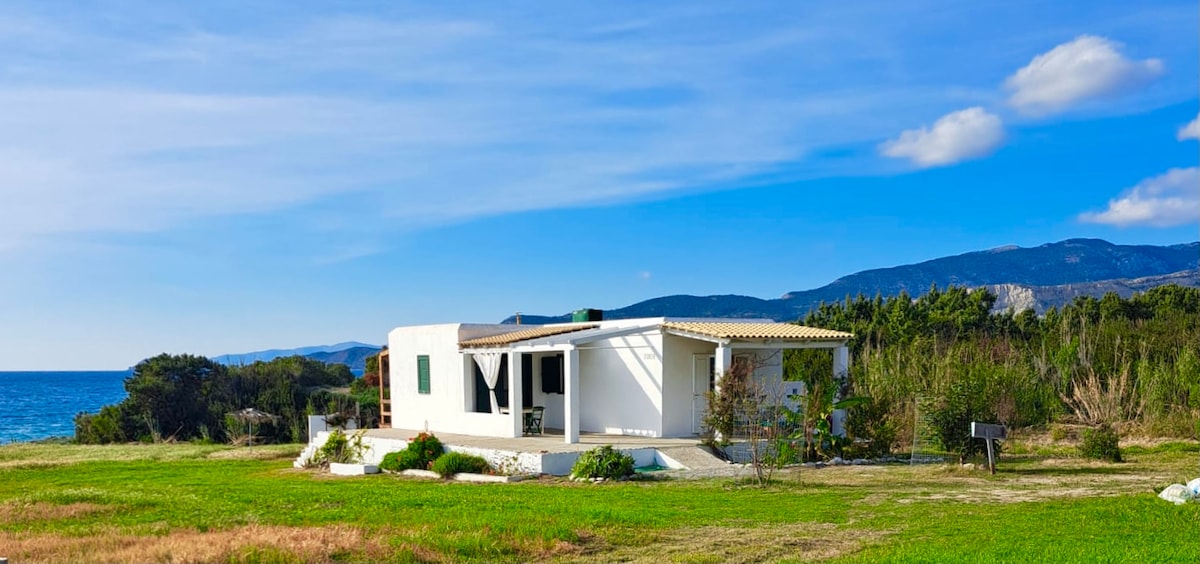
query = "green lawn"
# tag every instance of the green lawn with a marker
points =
(188, 503)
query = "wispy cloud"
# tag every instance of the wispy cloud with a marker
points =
(1166, 200)
(1189, 131)
(1085, 68)
(442, 119)
(957, 136)
(433, 118)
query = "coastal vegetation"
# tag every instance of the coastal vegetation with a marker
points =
(211, 503)
(944, 359)
(186, 397)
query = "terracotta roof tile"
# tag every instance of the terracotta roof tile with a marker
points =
(524, 335)
(734, 330)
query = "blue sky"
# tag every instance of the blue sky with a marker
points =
(229, 176)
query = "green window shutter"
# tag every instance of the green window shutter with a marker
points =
(422, 374)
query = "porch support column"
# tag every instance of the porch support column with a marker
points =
(468, 373)
(571, 393)
(515, 406)
(841, 371)
(722, 361)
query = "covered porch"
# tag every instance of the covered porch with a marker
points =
(760, 344)
(501, 370)
(648, 379)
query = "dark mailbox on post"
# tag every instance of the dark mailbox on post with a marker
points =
(989, 432)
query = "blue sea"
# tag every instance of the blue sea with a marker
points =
(38, 405)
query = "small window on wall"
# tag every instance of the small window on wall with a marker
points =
(422, 374)
(552, 375)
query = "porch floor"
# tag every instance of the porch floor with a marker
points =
(550, 441)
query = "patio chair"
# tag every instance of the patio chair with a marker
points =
(533, 420)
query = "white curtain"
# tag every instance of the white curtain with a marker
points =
(489, 365)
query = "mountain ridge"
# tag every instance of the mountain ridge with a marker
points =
(324, 351)
(1040, 274)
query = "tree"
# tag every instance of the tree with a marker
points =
(165, 393)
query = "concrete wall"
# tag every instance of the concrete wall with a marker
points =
(620, 381)
(447, 408)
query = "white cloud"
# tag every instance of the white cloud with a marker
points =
(957, 136)
(1166, 200)
(1189, 131)
(1087, 67)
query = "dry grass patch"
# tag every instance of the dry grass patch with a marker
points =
(265, 452)
(763, 543)
(18, 512)
(244, 544)
(37, 455)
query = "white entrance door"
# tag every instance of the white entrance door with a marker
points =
(702, 382)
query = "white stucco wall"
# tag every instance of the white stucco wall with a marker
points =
(677, 383)
(446, 408)
(637, 384)
(620, 381)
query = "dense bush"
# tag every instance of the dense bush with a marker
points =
(403, 460)
(453, 463)
(603, 462)
(1101, 443)
(1139, 358)
(107, 426)
(186, 397)
(427, 447)
(871, 432)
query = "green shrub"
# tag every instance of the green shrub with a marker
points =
(341, 449)
(452, 463)
(403, 460)
(427, 447)
(1101, 443)
(603, 462)
(1058, 433)
(100, 428)
(951, 417)
(871, 430)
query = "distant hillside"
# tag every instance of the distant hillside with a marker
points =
(1041, 298)
(1039, 277)
(355, 357)
(251, 357)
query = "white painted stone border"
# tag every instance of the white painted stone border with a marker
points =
(466, 476)
(339, 469)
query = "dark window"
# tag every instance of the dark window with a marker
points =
(552, 375)
(526, 380)
(422, 374)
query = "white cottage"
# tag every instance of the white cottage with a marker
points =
(643, 377)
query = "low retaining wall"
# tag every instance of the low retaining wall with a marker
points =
(505, 461)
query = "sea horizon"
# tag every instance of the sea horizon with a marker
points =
(42, 404)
